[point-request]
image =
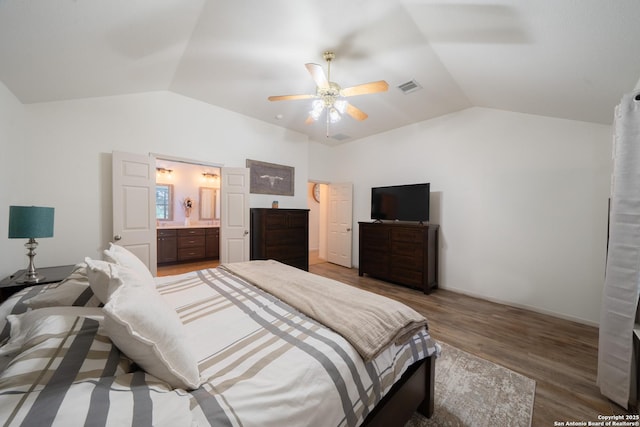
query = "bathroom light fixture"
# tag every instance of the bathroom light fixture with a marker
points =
(164, 171)
(29, 222)
(209, 175)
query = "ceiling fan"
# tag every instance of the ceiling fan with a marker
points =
(330, 97)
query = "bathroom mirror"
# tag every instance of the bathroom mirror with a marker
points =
(208, 203)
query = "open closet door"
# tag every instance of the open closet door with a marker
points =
(616, 365)
(134, 217)
(234, 217)
(340, 219)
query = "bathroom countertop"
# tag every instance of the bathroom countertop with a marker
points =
(173, 227)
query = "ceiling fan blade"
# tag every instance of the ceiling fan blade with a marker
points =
(363, 89)
(289, 97)
(317, 73)
(355, 112)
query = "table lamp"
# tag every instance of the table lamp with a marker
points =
(29, 222)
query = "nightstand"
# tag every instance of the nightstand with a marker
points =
(9, 285)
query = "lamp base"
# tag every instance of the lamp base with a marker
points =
(31, 276)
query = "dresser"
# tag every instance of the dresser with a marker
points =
(282, 235)
(401, 253)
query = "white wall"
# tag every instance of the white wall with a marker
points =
(521, 201)
(13, 171)
(69, 147)
(314, 219)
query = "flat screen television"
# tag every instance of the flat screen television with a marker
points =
(400, 203)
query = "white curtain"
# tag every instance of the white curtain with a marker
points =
(616, 370)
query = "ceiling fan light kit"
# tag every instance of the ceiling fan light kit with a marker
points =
(330, 97)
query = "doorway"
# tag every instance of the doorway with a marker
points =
(187, 201)
(330, 222)
(316, 202)
(137, 216)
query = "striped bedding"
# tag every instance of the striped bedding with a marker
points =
(264, 364)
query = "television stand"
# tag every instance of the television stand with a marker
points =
(405, 253)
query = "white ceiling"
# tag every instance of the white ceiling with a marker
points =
(571, 59)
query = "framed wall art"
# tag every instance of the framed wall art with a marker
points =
(271, 178)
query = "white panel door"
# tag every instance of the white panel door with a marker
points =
(340, 219)
(234, 218)
(134, 218)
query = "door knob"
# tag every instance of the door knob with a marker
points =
(245, 232)
(117, 237)
(348, 229)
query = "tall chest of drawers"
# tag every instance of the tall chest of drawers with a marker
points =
(282, 235)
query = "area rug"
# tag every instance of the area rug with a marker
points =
(471, 391)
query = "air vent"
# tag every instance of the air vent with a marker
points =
(410, 86)
(340, 137)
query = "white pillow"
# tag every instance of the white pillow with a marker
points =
(122, 256)
(146, 329)
(99, 274)
(22, 324)
(105, 277)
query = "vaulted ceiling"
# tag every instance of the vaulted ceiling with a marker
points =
(570, 59)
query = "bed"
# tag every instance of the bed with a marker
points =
(112, 345)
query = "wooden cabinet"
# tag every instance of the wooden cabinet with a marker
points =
(282, 235)
(167, 246)
(402, 253)
(187, 244)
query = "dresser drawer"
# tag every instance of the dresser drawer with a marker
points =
(166, 233)
(375, 266)
(284, 251)
(190, 241)
(281, 220)
(275, 220)
(298, 220)
(301, 263)
(407, 235)
(375, 231)
(411, 278)
(407, 262)
(284, 237)
(188, 232)
(409, 250)
(190, 253)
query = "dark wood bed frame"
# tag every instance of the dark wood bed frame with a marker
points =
(414, 391)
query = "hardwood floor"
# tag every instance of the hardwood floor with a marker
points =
(171, 269)
(560, 355)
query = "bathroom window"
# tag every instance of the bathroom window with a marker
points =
(164, 202)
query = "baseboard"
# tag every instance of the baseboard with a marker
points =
(523, 306)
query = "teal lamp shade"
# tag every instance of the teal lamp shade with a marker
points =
(28, 222)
